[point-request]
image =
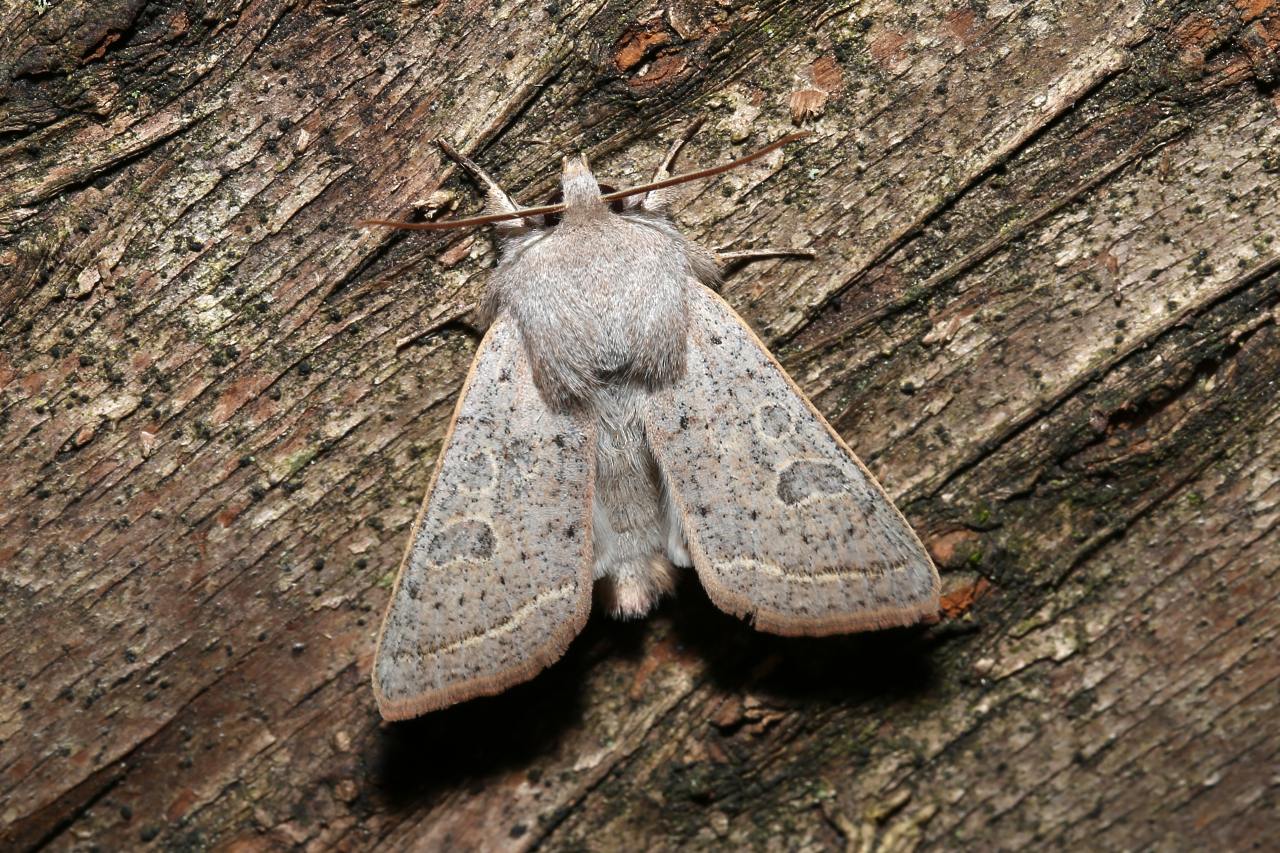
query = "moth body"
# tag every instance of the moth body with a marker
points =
(600, 300)
(619, 422)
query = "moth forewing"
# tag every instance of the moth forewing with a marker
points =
(496, 579)
(783, 523)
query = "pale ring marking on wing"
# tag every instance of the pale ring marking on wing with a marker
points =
(486, 482)
(761, 425)
(486, 520)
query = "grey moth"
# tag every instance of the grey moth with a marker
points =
(619, 423)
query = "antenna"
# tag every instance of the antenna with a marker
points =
(545, 209)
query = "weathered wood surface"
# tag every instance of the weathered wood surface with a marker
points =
(1043, 311)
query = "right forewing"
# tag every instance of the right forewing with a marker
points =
(783, 523)
(497, 578)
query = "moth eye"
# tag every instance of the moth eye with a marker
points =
(551, 220)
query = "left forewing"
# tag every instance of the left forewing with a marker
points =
(497, 577)
(783, 522)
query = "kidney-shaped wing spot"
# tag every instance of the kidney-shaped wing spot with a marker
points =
(496, 580)
(784, 524)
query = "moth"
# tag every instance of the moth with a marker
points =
(621, 422)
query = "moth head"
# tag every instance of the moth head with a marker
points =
(580, 195)
(578, 187)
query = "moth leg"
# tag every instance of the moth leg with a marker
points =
(463, 319)
(496, 196)
(658, 199)
(479, 317)
(710, 267)
(734, 259)
(664, 169)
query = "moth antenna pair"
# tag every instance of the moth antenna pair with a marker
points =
(546, 209)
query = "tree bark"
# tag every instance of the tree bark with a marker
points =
(1043, 311)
